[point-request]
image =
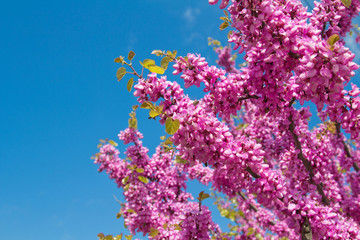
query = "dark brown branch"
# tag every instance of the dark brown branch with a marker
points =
(307, 163)
(306, 233)
(248, 97)
(254, 208)
(291, 102)
(252, 173)
(242, 195)
(346, 149)
(301, 156)
(323, 30)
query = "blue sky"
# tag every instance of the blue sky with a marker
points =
(59, 96)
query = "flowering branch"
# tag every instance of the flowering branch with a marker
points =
(307, 163)
(346, 149)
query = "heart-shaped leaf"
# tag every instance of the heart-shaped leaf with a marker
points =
(120, 73)
(171, 126)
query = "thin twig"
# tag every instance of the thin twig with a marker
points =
(252, 173)
(248, 97)
(346, 149)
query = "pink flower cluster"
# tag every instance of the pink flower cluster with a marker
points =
(225, 59)
(248, 137)
(154, 190)
(332, 17)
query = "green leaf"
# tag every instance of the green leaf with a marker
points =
(167, 148)
(165, 62)
(179, 160)
(143, 179)
(131, 55)
(156, 111)
(258, 236)
(224, 212)
(130, 84)
(168, 141)
(153, 232)
(203, 196)
(241, 213)
(224, 25)
(131, 211)
(346, 3)
(120, 73)
(113, 143)
(250, 231)
(163, 137)
(177, 227)
(127, 186)
(140, 170)
(135, 107)
(157, 52)
(131, 167)
(108, 237)
(125, 180)
(118, 237)
(333, 39)
(153, 113)
(174, 53)
(101, 235)
(133, 123)
(171, 126)
(156, 69)
(234, 228)
(148, 62)
(159, 108)
(147, 105)
(118, 215)
(229, 34)
(232, 216)
(200, 195)
(165, 226)
(128, 237)
(119, 60)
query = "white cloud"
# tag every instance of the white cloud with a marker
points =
(132, 41)
(190, 14)
(192, 37)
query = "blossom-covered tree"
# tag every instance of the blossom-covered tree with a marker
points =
(245, 136)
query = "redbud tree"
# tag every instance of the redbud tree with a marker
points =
(248, 136)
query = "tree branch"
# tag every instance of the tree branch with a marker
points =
(346, 149)
(248, 97)
(252, 173)
(307, 163)
(254, 208)
(323, 30)
(306, 233)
